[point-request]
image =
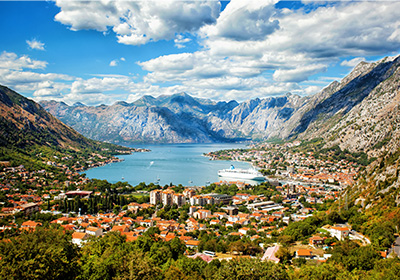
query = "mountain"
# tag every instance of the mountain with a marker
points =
(361, 113)
(366, 99)
(20, 116)
(27, 129)
(177, 118)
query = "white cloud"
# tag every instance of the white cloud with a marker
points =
(99, 85)
(298, 74)
(11, 61)
(115, 62)
(249, 50)
(353, 62)
(244, 20)
(35, 44)
(180, 41)
(289, 46)
(13, 72)
(138, 22)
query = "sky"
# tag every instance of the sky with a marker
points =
(101, 52)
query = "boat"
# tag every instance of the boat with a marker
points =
(237, 173)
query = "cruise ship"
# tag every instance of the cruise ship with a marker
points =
(246, 174)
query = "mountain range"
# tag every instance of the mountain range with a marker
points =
(353, 113)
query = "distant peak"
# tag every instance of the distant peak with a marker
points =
(121, 103)
(148, 97)
(79, 104)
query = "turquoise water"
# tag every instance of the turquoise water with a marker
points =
(175, 163)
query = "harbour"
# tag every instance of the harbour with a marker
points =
(170, 163)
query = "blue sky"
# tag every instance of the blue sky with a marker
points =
(105, 51)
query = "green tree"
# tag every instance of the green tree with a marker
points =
(250, 269)
(284, 255)
(41, 254)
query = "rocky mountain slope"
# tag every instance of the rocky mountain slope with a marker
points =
(355, 113)
(24, 122)
(178, 118)
(361, 113)
(26, 128)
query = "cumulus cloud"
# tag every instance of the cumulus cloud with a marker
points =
(13, 72)
(353, 62)
(251, 49)
(11, 61)
(299, 74)
(99, 85)
(35, 44)
(138, 22)
(180, 41)
(244, 20)
(115, 62)
(253, 39)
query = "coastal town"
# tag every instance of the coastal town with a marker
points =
(235, 211)
(284, 162)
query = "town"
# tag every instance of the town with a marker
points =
(241, 219)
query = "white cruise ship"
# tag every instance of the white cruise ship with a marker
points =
(246, 174)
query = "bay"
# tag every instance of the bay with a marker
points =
(170, 163)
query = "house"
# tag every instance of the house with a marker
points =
(95, 231)
(121, 229)
(131, 236)
(30, 225)
(29, 208)
(192, 243)
(304, 253)
(396, 247)
(214, 222)
(244, 230)
(316, 241)
(229, 224)
(339, 232)
(141, 229)
(202, 214)
(146, 223)
(79, 238)
(269, 254)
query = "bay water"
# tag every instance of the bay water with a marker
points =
(170, 163)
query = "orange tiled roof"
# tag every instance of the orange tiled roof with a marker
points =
(304, 252)
(79, 235)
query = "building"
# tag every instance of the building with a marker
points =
(189, 193)
(316, 241)
(29, 208)
(95, 231)
(30, 225)
(269, 254)
(167, 197)
(339, 232)
(82, 194)
(211, 198)
(232, 211)
(304, 253)
(179, 199)
(79, 238)
(155, 197)
(202, 214)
